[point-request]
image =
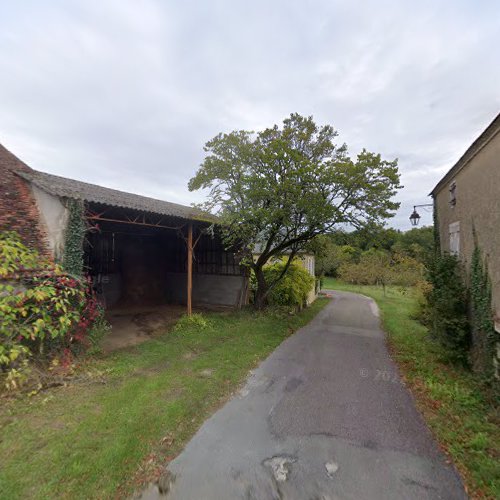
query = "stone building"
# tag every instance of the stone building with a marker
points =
(467, 204)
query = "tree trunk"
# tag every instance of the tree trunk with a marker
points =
(262, 289)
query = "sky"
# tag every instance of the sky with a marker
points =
(125, 93)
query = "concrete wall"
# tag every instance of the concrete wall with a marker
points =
(54, 215)
(477, 205)
(207, 289)
(308, 263)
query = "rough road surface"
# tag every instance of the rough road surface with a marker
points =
(324, 417)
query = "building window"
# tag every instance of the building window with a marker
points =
(453, 194)
(454, 231)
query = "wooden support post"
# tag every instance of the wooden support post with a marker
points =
(190, 269)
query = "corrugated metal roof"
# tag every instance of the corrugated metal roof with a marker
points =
(70, 188)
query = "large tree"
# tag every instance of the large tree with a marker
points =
(279, 188)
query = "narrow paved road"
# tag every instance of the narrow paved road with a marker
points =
(324, 417)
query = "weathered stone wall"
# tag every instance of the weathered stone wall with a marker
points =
(477, 206)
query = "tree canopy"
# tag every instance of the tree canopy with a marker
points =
(279, 188)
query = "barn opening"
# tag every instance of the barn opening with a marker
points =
(139, 266)
(139, 251)
(137, 259)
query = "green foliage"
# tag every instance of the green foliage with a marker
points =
(423, 310)
(15, 259)
(367, 237)
(448, 307)
(437, 240)
(75, 233)
(282, 187)
(417, 243)
(196, 321)
(97, 331)
(329, 256)
(41, 308)
(379, 267)
(292, 290)
(484, 337)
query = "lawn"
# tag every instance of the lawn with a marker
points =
(451, 399)
(125, 415)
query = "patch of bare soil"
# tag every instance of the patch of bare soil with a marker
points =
(134, 326)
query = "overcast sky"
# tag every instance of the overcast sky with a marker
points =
(126, 93)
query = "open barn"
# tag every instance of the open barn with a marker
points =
(144, 256)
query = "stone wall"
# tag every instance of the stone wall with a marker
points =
(477, 205)
(470, 202)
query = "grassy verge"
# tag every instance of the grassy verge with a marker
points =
(451, 399)
(134, 410)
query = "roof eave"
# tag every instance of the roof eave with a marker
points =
(484, 138)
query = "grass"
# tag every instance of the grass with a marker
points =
(134, 410)
(451, 399)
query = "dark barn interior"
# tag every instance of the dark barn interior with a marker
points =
(136, 260)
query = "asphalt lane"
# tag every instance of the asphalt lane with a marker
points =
(325, 416)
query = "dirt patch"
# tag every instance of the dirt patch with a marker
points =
(130, 327)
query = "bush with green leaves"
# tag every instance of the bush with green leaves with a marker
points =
(292, 290)
(43, 310)
(447, 299)
(195, 321)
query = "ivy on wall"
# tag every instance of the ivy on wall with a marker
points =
(483, 331)
(73, 241)
(437, 242)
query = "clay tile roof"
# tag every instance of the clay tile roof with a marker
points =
(69, 188)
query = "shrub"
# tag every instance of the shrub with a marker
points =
(447, 299)
(42, 309)
(292, 290)
(423, 312)
(196, 321)
(98, 328)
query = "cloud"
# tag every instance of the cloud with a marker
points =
(125, 93)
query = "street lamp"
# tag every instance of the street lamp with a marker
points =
(415, 216)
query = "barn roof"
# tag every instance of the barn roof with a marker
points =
(70, 188)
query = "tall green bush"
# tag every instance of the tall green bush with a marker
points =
(293, 289)
(447, 298)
